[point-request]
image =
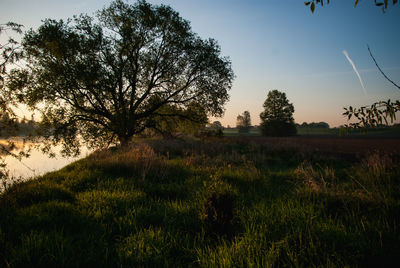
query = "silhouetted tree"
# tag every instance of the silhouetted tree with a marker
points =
(103, 78)
(216, 125)
(243, 122)
(277, 117)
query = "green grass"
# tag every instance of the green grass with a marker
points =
(206, 203)
(233, 132)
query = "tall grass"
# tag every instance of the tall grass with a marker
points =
(206, 203)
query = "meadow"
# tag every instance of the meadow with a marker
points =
(223, 202)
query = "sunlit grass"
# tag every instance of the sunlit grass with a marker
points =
(157, 204)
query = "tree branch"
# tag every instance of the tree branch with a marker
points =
(387, 78)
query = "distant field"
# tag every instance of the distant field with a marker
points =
(387, 132)
(234, 132)
(329, 144)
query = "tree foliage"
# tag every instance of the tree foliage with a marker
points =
(378, 113)
(277, 117)
(243, 122)
(105, 78)
(171, 121)
(379, 3)
(10, 52)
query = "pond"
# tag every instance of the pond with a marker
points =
(39, 163)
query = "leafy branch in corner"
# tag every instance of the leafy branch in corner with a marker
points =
(378, 113)
(381, 112)
(379, 3)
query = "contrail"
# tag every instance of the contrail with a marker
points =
(355, 70)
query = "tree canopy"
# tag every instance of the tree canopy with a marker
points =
(277, 117)
(9, 53)
(243, 122)
(106, 78)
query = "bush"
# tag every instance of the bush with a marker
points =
(212, 133)
(219, 206)
(278, 129)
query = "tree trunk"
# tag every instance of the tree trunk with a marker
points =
(124, 140)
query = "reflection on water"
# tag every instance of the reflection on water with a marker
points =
(38, 163)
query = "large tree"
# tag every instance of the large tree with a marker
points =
(104, 77)
(277, 117)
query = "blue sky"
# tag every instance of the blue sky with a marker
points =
(275, 44)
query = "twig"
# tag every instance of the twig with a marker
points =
(370, 53)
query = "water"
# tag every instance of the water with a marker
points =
(39, 163)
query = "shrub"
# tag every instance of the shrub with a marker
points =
(376, 178)
(219, 206)
(211, 133)
(317, 179)
(278, 129)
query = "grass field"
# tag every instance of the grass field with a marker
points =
(234, 201)
(304, 131)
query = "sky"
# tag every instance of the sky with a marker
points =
(320, 60)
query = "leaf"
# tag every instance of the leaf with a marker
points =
(356, 3)
(312, 7)
(307, 3)
(379, 4)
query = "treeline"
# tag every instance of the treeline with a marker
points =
(313, 125)
(12, 127)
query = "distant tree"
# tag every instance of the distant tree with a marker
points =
(379, 3)
(277, 117)
(105, 78)
(243, 122)
(216, 125)
(215, 129)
